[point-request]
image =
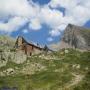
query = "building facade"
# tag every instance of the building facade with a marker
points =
(28, 48)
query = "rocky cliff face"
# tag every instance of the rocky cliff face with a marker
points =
(76, 37)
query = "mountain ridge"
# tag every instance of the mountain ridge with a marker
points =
(74, 37)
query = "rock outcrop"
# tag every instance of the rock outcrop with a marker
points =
(74, 37)
(8, 52)
(16, 57)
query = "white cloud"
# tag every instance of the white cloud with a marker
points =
(54, 32)
(13, 24)
(35, 24)
(18, 10)
(76, 12)
(17, 7)
(64, 3)
(81, 14)
(25, 31)
(51, 17)
(50, 39)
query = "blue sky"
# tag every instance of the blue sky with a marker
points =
(42, 21)
(41, 2)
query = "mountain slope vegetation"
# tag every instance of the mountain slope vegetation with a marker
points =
(67, 69)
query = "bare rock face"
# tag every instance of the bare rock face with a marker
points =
(18, 57)
(76, 37)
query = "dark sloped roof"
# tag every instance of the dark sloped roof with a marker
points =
(27, 43)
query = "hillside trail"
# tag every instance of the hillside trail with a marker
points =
(74, 81)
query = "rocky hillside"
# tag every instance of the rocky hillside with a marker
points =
(67, 69)
(63, 70)
(6, 42)
(74, 37)
(8, 53)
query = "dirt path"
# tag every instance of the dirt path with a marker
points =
(74, 81)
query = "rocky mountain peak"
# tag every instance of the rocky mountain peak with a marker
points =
(77, 37)
(74, 37)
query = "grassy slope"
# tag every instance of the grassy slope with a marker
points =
(6, 42)
(56, 76)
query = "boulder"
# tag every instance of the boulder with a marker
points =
(18, 57)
